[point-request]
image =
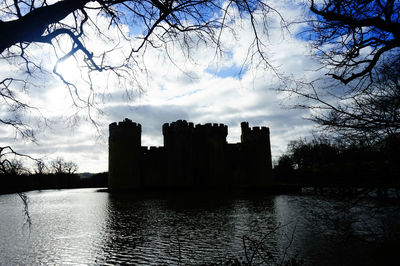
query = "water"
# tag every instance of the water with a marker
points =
(83, 226)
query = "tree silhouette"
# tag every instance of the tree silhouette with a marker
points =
(352, 36)
(325, 161)
(40, 168)
(370, 116)
(9, 164)
(358, 45)
(60, 166)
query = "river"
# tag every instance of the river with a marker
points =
(86, 226)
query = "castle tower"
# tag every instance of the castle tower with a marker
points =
(245, 131)
(178, 144)
(124, 155)
(257, 154)
(209, 155)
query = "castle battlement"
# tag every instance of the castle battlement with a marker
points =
(253, 135)
(209, 129)
(124, 127)
(260, 130)
(178, 126)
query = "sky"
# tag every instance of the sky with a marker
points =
(205, 89)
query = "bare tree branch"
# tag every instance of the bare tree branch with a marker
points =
(151, 23)
(352, 36)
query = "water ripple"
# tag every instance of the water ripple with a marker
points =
(86, 227)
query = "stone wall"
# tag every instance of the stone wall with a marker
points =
(193, 156)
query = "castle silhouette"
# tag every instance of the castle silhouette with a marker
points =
(193, 156)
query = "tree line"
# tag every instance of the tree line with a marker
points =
(329, 161)
(57, 174)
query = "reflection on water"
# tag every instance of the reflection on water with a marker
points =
(67, 226)
(89, 227)
(169, 231)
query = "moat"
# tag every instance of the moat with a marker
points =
(84, 226)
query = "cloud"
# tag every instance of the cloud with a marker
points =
(199, 90)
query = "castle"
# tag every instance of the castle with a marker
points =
(193, 156)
